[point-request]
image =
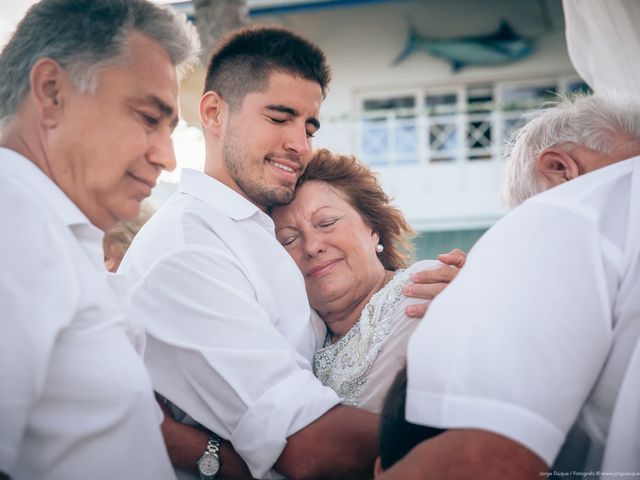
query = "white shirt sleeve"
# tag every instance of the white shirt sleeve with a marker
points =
(213, 351)
(505, 347)
(603, 41)
(38, 297)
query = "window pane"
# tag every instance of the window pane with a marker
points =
(480, 98)
(528, 97)
(406, 139)
(389, 132)
(375, 140)
(480, 104)
(391, 103)
(439, 104)
(442, 134)
(578, 86)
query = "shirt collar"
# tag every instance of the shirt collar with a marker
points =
(221, 197)
(41, 185)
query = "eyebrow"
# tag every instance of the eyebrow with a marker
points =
(312, 214)
(164, 109)
(292, 111)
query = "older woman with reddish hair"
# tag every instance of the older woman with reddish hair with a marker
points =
(351, 245)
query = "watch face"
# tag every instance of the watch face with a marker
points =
(208, 465)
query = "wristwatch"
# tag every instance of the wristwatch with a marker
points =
(209, 463)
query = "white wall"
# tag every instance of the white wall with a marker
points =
(362, 40)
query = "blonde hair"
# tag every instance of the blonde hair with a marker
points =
(117, 239)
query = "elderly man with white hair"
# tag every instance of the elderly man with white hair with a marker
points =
(527, 372)
(577, 136)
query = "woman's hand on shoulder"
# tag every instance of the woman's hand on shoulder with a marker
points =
(427, 284)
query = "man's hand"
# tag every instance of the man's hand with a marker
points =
(341, 444)
(427, 284)
(185, 445)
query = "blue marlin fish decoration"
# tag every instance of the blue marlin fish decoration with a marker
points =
(503, 46)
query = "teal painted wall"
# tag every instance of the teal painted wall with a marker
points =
(430, 244)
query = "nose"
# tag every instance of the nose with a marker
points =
(297, 140)
(161, 152)
(312, 244)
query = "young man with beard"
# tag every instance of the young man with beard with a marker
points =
(229, 332)
(230, 337)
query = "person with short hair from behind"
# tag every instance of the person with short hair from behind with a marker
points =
(523, 361)
(397, 436)
(88, 100)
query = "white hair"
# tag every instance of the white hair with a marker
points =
(597, 122)
(85, 36)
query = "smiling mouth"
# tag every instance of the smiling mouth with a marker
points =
(287, 170)
(148, 183)
(281, 166)
(323, 269)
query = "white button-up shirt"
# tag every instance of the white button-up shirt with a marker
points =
(76, 400)
(230, 338)
(534, 339)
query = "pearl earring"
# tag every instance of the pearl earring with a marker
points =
(379, 248)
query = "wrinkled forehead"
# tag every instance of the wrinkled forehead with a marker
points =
(311, 197)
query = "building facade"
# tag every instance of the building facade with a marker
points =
(434, 133)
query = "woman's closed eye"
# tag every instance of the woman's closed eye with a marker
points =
(288, 240)
(327, 223)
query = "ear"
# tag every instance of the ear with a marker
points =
(557, 166)
(377, 468)
(375, 238)
(47, 82)
(213, 112)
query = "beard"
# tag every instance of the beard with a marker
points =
(247, 174)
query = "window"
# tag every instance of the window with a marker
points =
(478, 128)
(389, 130)
(448, 124)
(518, 98)
(443, 126)
(577, 86)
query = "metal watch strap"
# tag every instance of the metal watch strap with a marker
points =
(212, 449)
(213, 445)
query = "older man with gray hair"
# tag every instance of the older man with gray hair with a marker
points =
(535, 369)
(576, 136)
(88, 100)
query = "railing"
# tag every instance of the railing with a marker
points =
(403, 137)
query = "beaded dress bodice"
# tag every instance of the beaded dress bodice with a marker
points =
(344, 365)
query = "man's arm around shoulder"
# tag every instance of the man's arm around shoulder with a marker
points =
(341, 444)
(464, 454)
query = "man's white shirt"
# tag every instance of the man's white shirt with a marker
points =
(534, 338)
(230, 337)
(76, 399)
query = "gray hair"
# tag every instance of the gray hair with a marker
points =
(597, 122)
(84, 36)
